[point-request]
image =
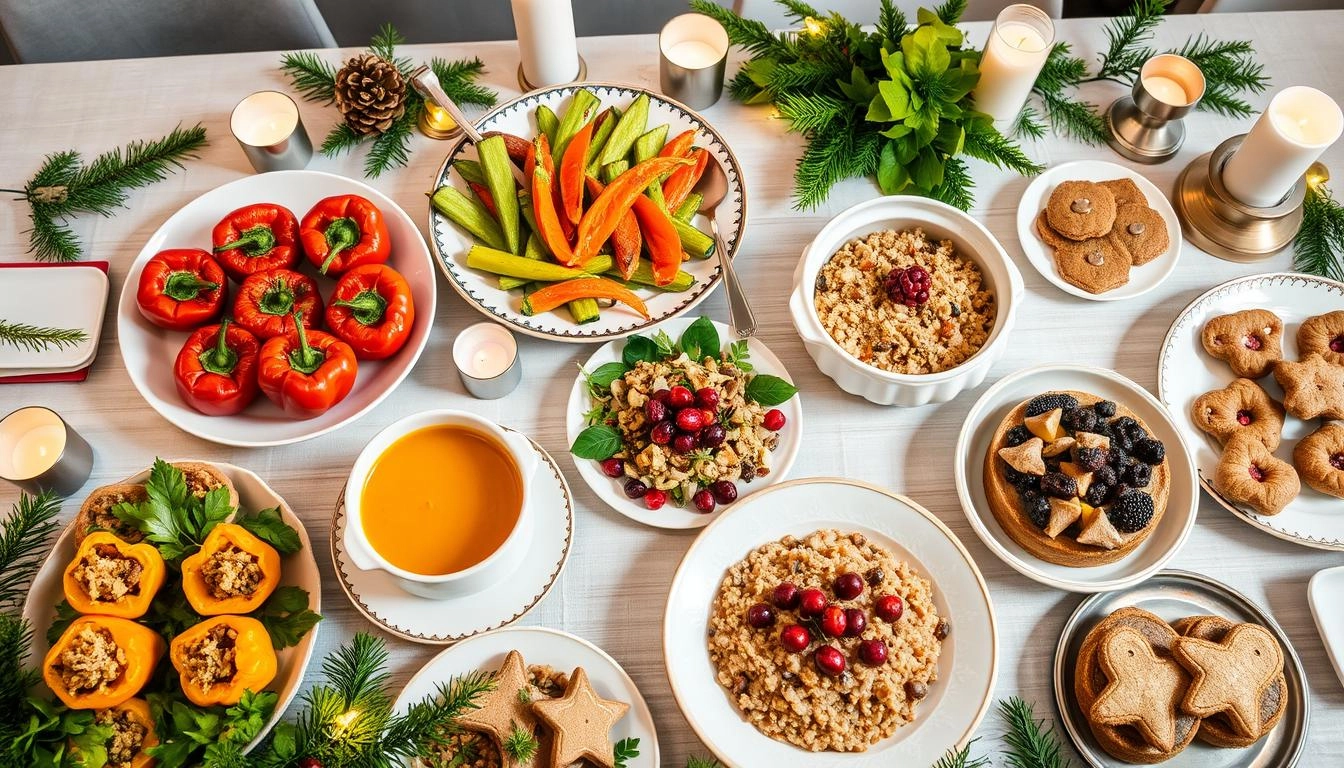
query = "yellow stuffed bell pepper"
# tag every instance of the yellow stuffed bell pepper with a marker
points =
(101, 661)
(110, 577)
(132, 734)
(233, 573)
(220, 658)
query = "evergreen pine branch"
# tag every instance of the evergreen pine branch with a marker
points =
(1124, 34)
(341, 139)
(798, 10)
(961, 758)
(1229, 68)
(748, 33)
(1031, 743)
(385, 43)
(950, 11)
(807, 113)
(957, 187)
(310, 75)
(23, 543)
(16, 637)
(102, 186)
(1318, 247)
(1029, 124)
(702, 762)
(1062, 70)
(57, 170)
(1222, 100)
(391, 149)
(520, 745)
(456, 78)
(1074, 119)
(891, 22)
(742, 87)
(984, 142)
(807, 76)
(48, 239)
(419, 730)
(829, 158)
(39, 338)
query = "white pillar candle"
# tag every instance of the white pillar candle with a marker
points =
(546, 41)
(1017, 48)
(1299, 125)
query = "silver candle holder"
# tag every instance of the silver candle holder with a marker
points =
(1147, 126)
(486, 356)
(692, 57)
(40, 452)
(268, 128)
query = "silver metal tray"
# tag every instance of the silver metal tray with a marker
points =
(1173, 595)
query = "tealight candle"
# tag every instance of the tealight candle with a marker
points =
(39, 451)
(693, 53)
(1016, 51)
(435, 122)
(267, 126)
(486, 356)
(1166, 90)
(1299, 125)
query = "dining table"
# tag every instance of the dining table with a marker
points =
(614, 588)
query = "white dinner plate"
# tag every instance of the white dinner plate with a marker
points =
(1185, 371)
(1323, 593)
(149, 351)
(298, 570)
(438, 622)
(52, 296)
(969, 470)
(967, 666)
(481, 290)
(554, 648)
(1141, 279)
(671, 516)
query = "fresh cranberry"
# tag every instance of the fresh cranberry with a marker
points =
(713, 436)
(909, 286)
(680, 397)
(848, 585)
(811, 602)
(662, 433)
(760, 616)
(707, 397)
(785, 596)
(613, 467)
(774, 420)
(690, 419)
(795, 638)
(1257, 474)
(1337, 344)
(635, 489)
(655, 498)
(661, 395)
(830, 661)
(684, 442)
(1244, 418)
(833, 621)
(873, 652)
(724, 491)
(889, 608)
(704, 500)
(655, 411)
(855, 622)
(1253, 342)
(710, 416)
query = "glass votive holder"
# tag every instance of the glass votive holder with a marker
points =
(40, 452)
(486, 356)
(692, 56)
(267, 127)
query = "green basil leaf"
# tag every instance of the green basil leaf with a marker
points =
(665, 345)
(769, 390)
(597, 442)
(639, 348)
(700, 340)
(601, 379)
(890, 175)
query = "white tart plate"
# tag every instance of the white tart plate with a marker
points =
(973, 441)
(1323, 593)
(671, 516)
(149, 351)
(56, 296)
(439, 622)
(1141, 279)
(540, 645)
(298, 570)
(481, 290)
(970, 655)
(1185, 371)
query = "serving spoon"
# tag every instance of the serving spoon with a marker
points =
(713, 186)
(427, 84)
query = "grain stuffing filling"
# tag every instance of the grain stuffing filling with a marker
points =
(91, 662)
(212, 659)
(106, 576)
(128, 736)
(232, 572)
(457, 748)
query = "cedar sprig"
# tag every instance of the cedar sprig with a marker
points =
(38, 338)
(891, 22)
(311, 75)
(950, 12)
(25, 538)
(1318, 247)
(985, 143)
(1031, 743)
(961, 758)
(1125, 36)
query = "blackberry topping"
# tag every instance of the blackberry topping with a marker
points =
(1090, 459)
(1131, 512)
(1096, 494)
(1120, 489)
(1117, 457)
(1017, 435)
(1150, 450)
(1079, 419)
(1059, 485)
(1049, 402)
(1104, 476)
(1037, 511)
(1020, 480)
(1139, 475)
(1123, 424)
(1104, 408)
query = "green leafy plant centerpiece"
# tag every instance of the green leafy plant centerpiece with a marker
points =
(894, 103)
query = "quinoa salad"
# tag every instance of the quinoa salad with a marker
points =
(904, 303)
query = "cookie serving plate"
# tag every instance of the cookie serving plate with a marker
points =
(1185, 371)
(1173, 595)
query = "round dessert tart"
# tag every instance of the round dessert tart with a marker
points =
(1076, 480)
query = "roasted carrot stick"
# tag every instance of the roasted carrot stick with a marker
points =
(661, 236)
(543, 207)
(553, 295)
(603, 216)
(572, 173)
(684, 179)
(626, 241)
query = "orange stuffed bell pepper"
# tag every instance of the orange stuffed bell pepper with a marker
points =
(133, 733)
(344, 232)
(220, 658)
(306, 372)
(372, 311)
(101, 661)
(110, 577)
(234, 572)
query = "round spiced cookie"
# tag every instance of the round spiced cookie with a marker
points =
(1240, 408)
(1080, 210)
(1319, 458)
(1250, 341)
(1097, 265)
(1141, 231)
(1323, 335)
(1125, 191)
(1076, 480)
(1048, 236)
(1249, 474)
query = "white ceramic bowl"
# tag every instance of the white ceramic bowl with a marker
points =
(940, 222)
(501, 562)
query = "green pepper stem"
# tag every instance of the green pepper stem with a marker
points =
(368, 307)
(220, 359)
(278, 298)
(185, 286)
(341, 234)
(305, 359)
(257, 241)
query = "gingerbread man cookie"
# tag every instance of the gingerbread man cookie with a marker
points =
(1232, 676)
(1250, 341)
(1240, 408)
(1319, 458)
(1324, 335)
(1312, 387)
(1249, 474)
(1080, 210)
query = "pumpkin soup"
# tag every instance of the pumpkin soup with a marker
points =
(440, 500)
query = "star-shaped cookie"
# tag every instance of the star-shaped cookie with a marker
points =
(502, 709)
(582, 722)
(1312, 387)
(1231, 676)
(1144, 688)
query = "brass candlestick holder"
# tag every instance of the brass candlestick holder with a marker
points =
(1222, 225)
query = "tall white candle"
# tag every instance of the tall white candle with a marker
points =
(1017, 48)
(1299, 125)
(546, 41)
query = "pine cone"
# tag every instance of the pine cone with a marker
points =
(370, 93)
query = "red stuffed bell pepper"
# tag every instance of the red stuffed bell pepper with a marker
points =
(372, 311)
(256, 238)
(181, 288)
(344, 232)
(307, 372)
(267, 302)
(216, 371)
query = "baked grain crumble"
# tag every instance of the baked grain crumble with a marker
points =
(107, 576)
(212, 659)
(128, 735)
(91, 661)
(231, 572)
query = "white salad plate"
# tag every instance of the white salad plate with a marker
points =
(1141, 279)
(149, 351)
(611, 490)
(54, 296)
(967, 667)
(1323, 593)
(297, 570)
(518, 117)
(550, 647)
(969, 470)
(377, 595)
(1185, 371)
